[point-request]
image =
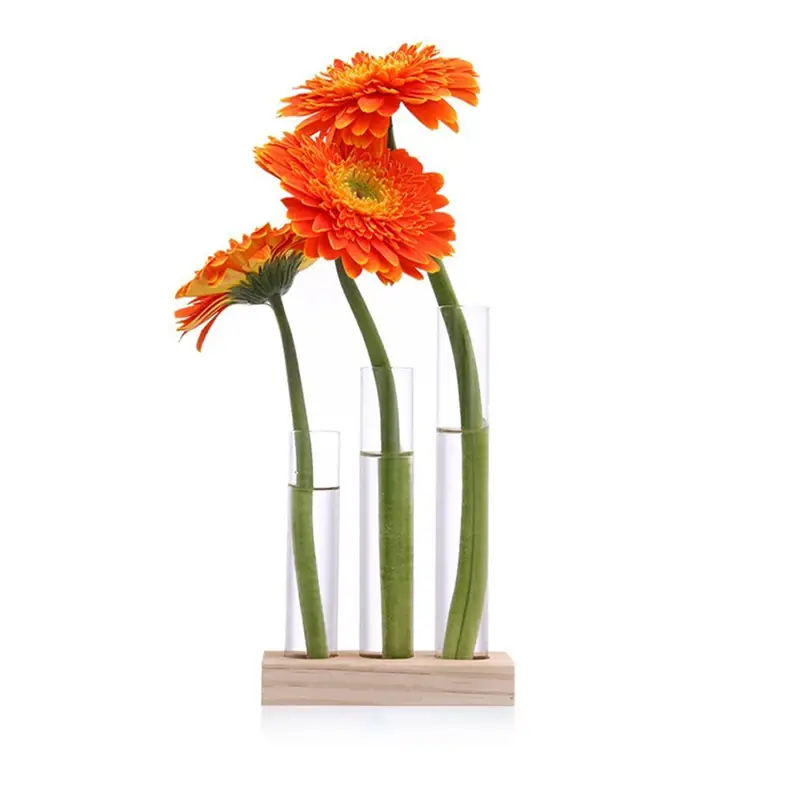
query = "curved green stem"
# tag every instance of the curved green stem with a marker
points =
(387, 391)
(469, 592)
(395, 505)
(467, 376)
(302, 499)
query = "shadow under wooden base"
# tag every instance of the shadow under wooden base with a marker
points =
(350, 680)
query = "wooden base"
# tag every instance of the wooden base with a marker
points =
(350, 680)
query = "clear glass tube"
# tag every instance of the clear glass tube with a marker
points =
(312, 579)
(462, 482)
(387, 513)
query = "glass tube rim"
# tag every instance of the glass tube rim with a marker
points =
(393, 368)
(327, 440)
(475, 307)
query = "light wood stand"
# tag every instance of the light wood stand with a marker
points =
(350, 680)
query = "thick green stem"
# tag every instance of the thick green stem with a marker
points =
(384, 379)
(395, 506)
(302, 499)
(469, 593)
(396, 554)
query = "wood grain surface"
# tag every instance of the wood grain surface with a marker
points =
(350, 680)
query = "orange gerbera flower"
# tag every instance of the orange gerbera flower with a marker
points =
(375, 212)
(252, 271)
(354, 102)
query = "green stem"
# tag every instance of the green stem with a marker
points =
(387, 391)
(395, 506)
(396, 554)
(302, 499)
(469, 592)
(390, 142)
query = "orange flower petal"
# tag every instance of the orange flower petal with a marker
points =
(322, 222)
(361, 126)
(311, 248)
(387, 253)
(426, 113)
(414, 273)
(203, 333)
(357, 254)
(299, 212)
(465, 95)
(305, 227)
(343, 121)
(350, 267)
(389, 106)
(336, 241)
(370, 103)
(379, 126)
(325, 250)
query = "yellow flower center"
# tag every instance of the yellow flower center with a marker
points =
(363, 185)
(371, 67)
(361, 188)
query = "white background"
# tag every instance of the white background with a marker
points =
(627, 197)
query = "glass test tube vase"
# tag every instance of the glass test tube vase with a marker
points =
(312, 569)
(387, 513)
(462, 482)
